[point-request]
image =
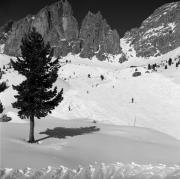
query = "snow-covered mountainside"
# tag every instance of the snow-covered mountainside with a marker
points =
(129, 111)
(108, 92)
(156, 95)
(134, 106)
(113, 171)
(158, 34)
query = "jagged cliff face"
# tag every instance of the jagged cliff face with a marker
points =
(4, 31)
(59, 27)
(97, 38)
(158, 34)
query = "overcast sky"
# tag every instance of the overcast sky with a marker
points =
(120, 14)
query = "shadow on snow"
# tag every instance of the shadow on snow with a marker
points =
(62, 132)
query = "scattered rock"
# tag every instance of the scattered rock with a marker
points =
(5, 118)
(136, 74)
(94, 122)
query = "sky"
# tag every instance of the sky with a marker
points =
(122, 15)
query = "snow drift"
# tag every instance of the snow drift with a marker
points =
(98, 171)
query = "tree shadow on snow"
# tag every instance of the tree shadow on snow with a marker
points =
(62, 132)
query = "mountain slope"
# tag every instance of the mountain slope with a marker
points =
(158, 34)
(56, 23)
(58, 26)
(90, 100)
(156, 95)
(97, 38)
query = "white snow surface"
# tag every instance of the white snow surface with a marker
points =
(15, 118)
(156, 95)
(127, 48)
(102, 171)
(159, 31)
(143, 132)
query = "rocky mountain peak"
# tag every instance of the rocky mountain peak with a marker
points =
(97, 38)
(158, 34)
(4, 31)
(58, 26)
(55, 22)
(67, 9)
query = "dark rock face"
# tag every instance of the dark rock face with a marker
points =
(12, 45)
(56, 24)
(97, 38)
(159, 33)
(4, 31)
(136, 74)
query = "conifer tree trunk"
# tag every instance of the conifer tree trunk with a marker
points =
(31, 132)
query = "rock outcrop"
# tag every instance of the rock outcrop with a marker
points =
(97, 38)
(158, 34)
(57, 25)
(4, 30)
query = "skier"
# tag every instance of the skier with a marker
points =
(69, 108)
(132, 100)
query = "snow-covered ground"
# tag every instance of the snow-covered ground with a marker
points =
(146, 131)
(156, 95)
(103, 171)
(74, 143)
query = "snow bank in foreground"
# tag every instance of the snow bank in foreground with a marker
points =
(103, 171)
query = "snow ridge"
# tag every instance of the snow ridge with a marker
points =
(98, 171)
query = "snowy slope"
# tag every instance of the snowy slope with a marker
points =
(156, 95)
(130, 53)
(124, 134)
(68, 144)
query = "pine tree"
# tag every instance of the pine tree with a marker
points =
(36, 95)
(3, 86)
